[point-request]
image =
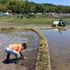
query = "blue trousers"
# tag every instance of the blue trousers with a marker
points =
(10, 51)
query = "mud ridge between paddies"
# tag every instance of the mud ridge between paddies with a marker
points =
(43, 58)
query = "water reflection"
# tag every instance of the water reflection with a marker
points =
(18, 36)
(59, 47)
(60, 30)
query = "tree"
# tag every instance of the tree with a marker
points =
(24, 6)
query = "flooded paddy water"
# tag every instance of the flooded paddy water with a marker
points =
(58, 43)
(19, 36)
(59, 48)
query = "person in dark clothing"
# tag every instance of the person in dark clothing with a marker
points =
(61, 23)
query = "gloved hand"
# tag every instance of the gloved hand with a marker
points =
(22, 57)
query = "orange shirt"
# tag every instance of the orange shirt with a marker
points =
(16, 47)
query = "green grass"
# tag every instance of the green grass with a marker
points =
(65, 17)
(36, 20)
(6, 18)
(43, 55)
(26, 20)
(41, 20)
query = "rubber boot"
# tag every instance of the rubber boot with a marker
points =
(8, 56)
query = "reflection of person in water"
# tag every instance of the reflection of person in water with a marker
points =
(59, 30)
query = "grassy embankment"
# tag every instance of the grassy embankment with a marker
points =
(43, 59)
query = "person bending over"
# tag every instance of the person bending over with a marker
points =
(16, 50)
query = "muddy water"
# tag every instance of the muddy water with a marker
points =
(59, 46)
(19, 36)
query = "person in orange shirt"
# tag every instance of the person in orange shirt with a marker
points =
(16, 50)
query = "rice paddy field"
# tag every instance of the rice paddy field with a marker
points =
(10, 34)
(8, 37)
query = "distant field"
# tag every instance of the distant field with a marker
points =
(45, 20)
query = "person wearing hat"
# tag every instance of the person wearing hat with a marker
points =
(61, 23)
(16, 50)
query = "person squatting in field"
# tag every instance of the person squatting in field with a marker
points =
(16, 50)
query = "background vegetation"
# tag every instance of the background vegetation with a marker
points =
(24, 6)
(24, 11)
